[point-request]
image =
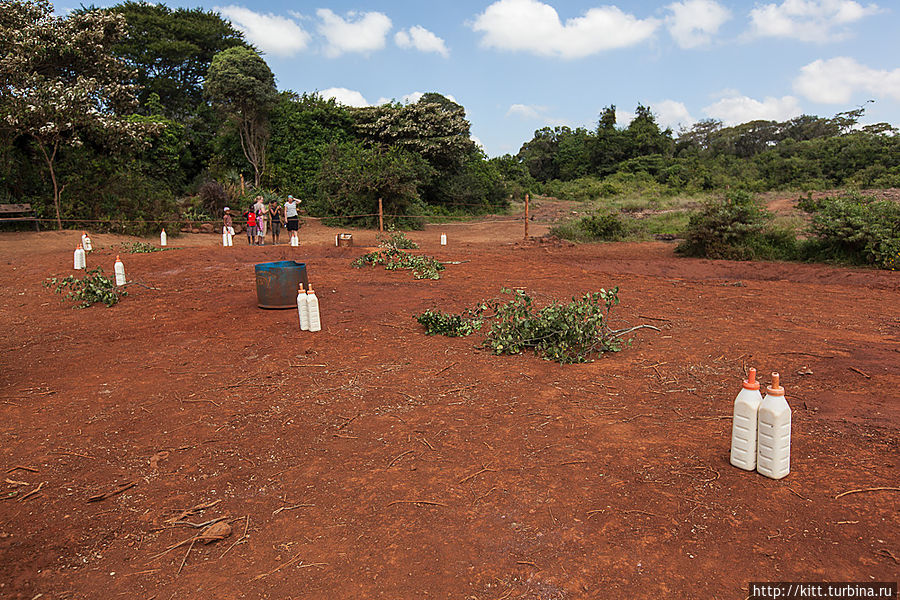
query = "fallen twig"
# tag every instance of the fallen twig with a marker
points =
(23, 468)
(115, 492)
(427, 502)
(296, 559)
(809, 354)
(866, 375)
(473, 475)
(796, 494)
(622, 332)
(32, 492)
(278, 510)
(396, 458)
(887, 552)
(240, 539)
(526, 562)
(184, 560)
(654, 318)
(874, 489)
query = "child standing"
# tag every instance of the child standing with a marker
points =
(252, 230)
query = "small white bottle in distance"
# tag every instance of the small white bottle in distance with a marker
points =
(744, 424)
(225, 236)
(80, 260)
(315, 321)
(120, 271)
(773, 457)
(303, 309)
(163, 239)
(443, 239)
(86, 241)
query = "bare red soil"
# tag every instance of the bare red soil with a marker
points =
(372, 461)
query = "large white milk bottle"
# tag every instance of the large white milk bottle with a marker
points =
(773, 457)
(119, 269)
(303, 309)
(744, 424)
(315, 321)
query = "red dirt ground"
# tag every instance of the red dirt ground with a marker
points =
(371, 461)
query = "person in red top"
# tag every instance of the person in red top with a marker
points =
(252, 229)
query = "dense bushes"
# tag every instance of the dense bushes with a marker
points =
(606, 227)
(855, 229)
(733, 227)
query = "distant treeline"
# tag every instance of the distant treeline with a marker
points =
(127, 117)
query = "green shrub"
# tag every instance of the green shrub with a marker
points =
(855, 229)
(395, 240)
(602, 226)
(422, 267)
(731, 228)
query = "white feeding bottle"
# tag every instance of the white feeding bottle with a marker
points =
(443, 239)
(773, 457)
(225, 236)
(120, 271)
(86, 241)
(315, 321)
(744, 424)
(80, 260)
(163, 240)
(303, 309)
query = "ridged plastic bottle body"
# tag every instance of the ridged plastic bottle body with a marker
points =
(303, 311)
(120, 273)
(80, 260)
(744, 429)
(773, 457)
(315, 321)
(163, 239)
(86, 242)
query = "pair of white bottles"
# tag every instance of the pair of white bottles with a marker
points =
(761, 429)
(80, 258)
(308, 307)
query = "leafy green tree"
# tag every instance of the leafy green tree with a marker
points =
(538, 154)
(241, 84)
(60, 81)
(352, 178)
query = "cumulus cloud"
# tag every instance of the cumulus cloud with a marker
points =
(275, 35)
(670, 113)
(345, 97)
(734, 109)
(525, 111)
(359, 32)
(535, 27)
(808, 20)
(422, 40)
(693, 23)
(838, 80)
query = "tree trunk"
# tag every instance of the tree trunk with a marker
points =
(50, 159)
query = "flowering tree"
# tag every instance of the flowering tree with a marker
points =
(59, 81)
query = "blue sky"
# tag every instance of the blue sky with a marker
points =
(519, 65)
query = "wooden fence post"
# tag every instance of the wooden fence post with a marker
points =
(526, 215)
(380, 216)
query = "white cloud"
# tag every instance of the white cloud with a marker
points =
(838, 80)
(670, 113)
(694, 22)
(525, 111)
(275, 35)
(359, 32)
(808, 20)
(624, 117)
(422, 40)
(734, 109)
(532, 26)
(345, 97)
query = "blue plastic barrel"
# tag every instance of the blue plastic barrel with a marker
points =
(277, 283)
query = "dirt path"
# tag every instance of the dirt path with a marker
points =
(371, 461)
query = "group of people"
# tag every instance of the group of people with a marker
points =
(261, 219)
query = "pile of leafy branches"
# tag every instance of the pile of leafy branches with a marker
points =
(422, 267)
(391, 255)
(141, 248)
(92, 288)
(565, 333)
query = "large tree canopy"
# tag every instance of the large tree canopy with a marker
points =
(59, 80)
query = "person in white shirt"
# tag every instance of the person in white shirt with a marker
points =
(293, 221)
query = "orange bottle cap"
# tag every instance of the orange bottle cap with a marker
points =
(751, 383)
(78, 247)
(118, 259)
(775, 389)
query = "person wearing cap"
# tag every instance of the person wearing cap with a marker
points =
(228, 222)
(261, 214)
(290, 215)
